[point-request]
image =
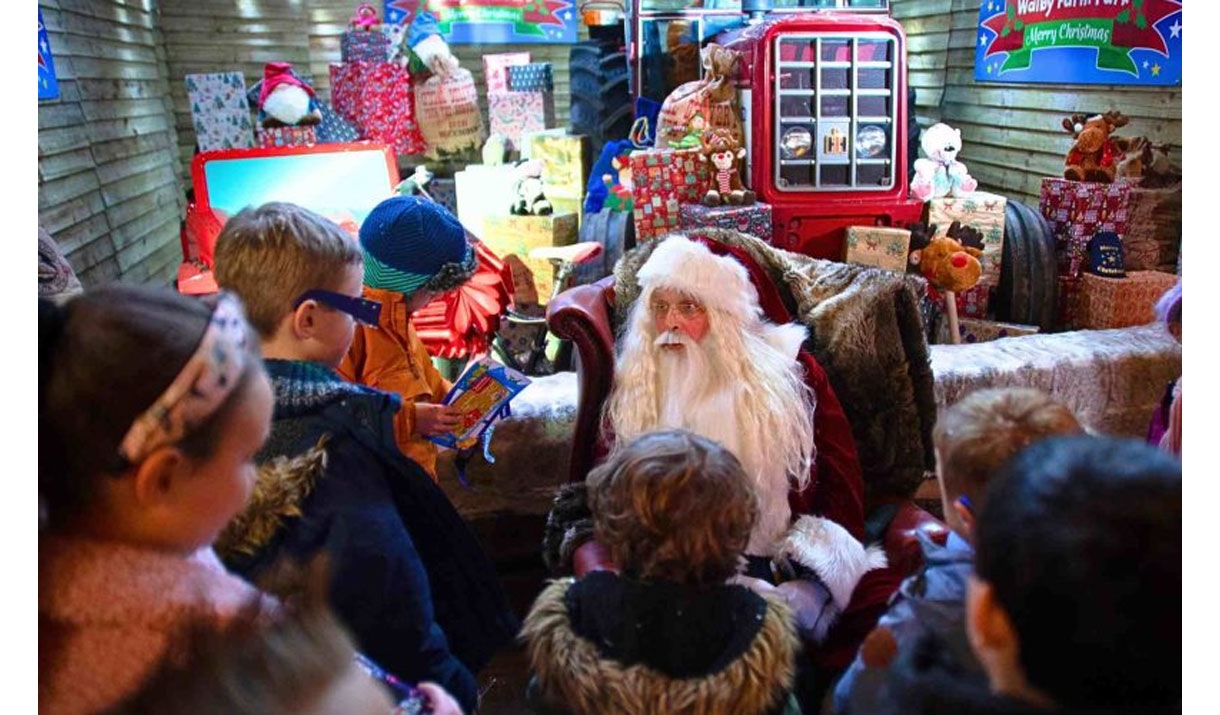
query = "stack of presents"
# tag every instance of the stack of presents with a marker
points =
(1116, 227)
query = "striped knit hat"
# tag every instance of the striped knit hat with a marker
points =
(410, 243)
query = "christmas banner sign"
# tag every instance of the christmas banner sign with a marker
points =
(48, 86)
(1137, 42)
(494, 22)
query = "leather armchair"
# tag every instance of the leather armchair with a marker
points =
(585, 315)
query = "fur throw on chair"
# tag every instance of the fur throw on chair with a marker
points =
(867, 332)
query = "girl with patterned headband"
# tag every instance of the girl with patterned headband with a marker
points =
(151, 407)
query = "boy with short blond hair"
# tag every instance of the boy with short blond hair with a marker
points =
(973, 439)
(410, 579)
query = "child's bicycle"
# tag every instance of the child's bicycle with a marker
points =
(524, 345)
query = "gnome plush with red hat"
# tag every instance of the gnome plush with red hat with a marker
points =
(284, 99)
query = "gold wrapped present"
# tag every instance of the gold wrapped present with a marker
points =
(981, 211)
(516, 235)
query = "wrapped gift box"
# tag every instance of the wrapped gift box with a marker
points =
(973, 330)
(495, 69)
(484, 191)
(532, 77)
(565, 158)
(377, 98)
(515, 114)
(1154, 229)
(373, 45)
(754, 219)
(877, 246)
(220, 112)
(982, 211)
(662, 179)
(287, 136)
(334, 129)
(516, 235)
(1079, 210)
(971, 303)
(1120, 302)
(444, 192)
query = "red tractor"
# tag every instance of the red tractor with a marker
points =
(824, 97)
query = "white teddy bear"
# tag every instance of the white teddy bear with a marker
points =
(941, 174)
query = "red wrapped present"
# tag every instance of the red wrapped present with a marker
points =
(981, 211)
(1120, 302)
(386, 110)
(754, 219)
(287, 136)
(1077, 211)
(662, 179)
(495, 69)
(971, 303)
(515, 114)
(346, 81)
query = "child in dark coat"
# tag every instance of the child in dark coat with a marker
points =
(410, 580)
(670, 633)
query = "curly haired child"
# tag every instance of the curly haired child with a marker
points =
(151, 407)
(669, 633)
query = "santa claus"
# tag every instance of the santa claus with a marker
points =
(697, 353)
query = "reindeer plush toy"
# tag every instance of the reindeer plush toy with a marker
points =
(723, 150)
(1096, 152)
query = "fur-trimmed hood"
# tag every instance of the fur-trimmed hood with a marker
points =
(572, 674)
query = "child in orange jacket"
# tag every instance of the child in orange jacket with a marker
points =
(414, 251)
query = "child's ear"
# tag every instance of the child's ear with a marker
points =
(304, 319)
(156, 475)
(963, 512)
(991, 632)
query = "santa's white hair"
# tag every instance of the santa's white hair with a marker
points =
(771, 402)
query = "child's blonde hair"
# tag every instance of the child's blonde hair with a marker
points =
(272, 254)
(673, 506)
(977, 435)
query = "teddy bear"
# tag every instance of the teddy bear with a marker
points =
(941, 174)
(1095, 152)
(722, 149)
(949, 262)
(529, 198)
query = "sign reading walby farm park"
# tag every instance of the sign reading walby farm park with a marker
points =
(1135, 42)
(493, 22)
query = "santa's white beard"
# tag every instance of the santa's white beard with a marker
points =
(696, 393)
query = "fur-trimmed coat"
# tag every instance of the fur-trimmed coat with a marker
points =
(108, 613)
(606, 644)
(409, 578)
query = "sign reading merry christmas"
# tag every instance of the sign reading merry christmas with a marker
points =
(469, 22)
(1080, 41)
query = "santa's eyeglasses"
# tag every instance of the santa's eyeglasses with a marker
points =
(687, 308)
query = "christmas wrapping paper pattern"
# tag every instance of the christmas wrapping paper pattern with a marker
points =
(754, 219)
(565, 162)
(973, 330)
(376, 97)
(1120, 302)
(662, 179)
(220, 113)
(877, 246)
(515, 114)
(287, 136)
(449, 115)
(375, 45)
(444, 192)
(971, 303)
(981, 211)
(495, 69)
(334, 129)
(532, 77)
(1077, 211)
(516, 235)
(1154, 229)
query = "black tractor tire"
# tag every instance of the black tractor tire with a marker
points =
(601, 106)
(1028, 273)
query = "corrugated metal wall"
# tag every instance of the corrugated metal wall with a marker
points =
(107, 189)
(1011, 132)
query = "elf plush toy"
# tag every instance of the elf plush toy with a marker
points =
(284, 99)
(941, 174)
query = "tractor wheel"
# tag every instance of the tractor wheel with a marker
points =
(601, 106)
(1028, 274)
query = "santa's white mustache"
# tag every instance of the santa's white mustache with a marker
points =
(672, 337)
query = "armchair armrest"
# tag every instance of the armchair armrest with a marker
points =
(901, 543)
(582, 315)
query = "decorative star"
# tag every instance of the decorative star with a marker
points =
(1145, 64)
(1175, 30)
(43, 45)
(989, 69)
(1156, 70)
(982, 39)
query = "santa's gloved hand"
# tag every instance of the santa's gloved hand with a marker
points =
(813, 609)
(756, 585)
